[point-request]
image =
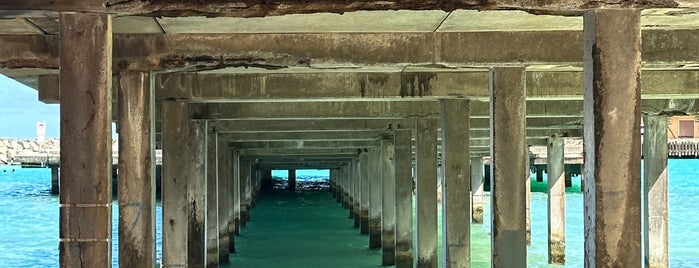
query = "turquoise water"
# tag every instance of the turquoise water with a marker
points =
(312, 230)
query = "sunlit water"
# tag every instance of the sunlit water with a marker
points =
(312, 230)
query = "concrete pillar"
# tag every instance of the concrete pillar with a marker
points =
(456, 231)
(656, 191)
(175, 116)
(244, 187)
(236, 193)
(55, 180)
(136, 179)
(292, 180)
(477, 189)
(556, 201)
(197, 186)
(249, 188)
(212, 199)
(404, 197)
(333, 183)
(266, 180)
(612, 71)
(357, 210)
(508, 167)
(426, 158)
(388, 203)
(85, 193)
(375, 198)
(568, 180)
(364, 193)
(226, 229)
(539, 174)
(528, 195)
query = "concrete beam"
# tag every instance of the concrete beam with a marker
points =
(356, 135)
(315, 109)
(259, 147)
(279, 50)
(225, 126)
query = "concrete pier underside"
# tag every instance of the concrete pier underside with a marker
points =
(383, 98)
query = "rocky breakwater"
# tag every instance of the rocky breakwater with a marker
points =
(10, 149)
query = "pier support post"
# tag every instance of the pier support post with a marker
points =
(226, 229)
(85, 193)
(175, 116)
(568, 180)
(404, 197)
(244, 186)
(86, 132)
(236, 194)
(375, 198)
(55, 180)
(357, 204)
(528, 194)
(388, 203)
(292, 180)
(508, 167)
(556, 201)
(656, 191)
(477, 189)
(612, 194)
(136, 179)
(539, 175)
(212, 198)
(456, 231)
(364, 194)
(426, 159)
(197, 194)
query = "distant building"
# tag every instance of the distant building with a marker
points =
(679, 127)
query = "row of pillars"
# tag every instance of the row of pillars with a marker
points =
(612, 60)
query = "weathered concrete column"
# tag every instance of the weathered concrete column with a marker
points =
(568, 180)
(249, 188)
(612, 67)
(175, 116)
(197, 186)
(404, 197)
(656, 191)
(539, 175)
(508, 167)
(292, 180)
(86, 131)
(244, 187)
(136, 179)
(212, 198)
(556, 201)
(477, 189)
(357, 207)
(267, 180)
(528, 195)
(456, 231)
(364, 193)
(332, 179)
(388, 203)
(375, 198)
(55, 180)
(426, 159)
(236, 193)
(226, 227)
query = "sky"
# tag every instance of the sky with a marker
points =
(20, 110)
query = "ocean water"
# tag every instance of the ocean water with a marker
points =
(312, 230)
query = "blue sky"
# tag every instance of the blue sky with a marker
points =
(20, 109)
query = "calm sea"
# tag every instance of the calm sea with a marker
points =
(311, 230)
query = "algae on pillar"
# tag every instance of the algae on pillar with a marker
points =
(612, 120)
(508, 167)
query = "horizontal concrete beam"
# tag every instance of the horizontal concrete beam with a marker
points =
(415, 82)
(396, 108)
(225, 126)
(255, 8)
(309, 153)
(279, 50)
(266, 145)
(356, 135)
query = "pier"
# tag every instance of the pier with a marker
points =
(400, 100)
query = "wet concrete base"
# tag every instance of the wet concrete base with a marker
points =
(404, 254)
(557, 253)
(388, 242)
(375, 233)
